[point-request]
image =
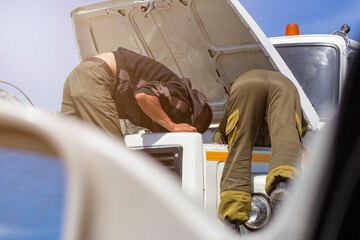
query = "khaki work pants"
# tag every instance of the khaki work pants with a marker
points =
(263, 107)
(88, 95)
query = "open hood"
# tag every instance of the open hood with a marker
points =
(209, 41)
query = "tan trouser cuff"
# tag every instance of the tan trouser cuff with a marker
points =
(235, 206)
(279, 174)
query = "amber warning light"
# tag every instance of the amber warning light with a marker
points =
(292, 29)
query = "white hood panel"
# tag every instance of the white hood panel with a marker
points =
(205, 40)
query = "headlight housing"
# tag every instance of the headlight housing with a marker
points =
(260, 212)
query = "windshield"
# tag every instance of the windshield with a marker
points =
(316, 70)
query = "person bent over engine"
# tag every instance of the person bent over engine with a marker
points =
(263, 110)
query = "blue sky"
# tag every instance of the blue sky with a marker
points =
(317, 16)
(38, 50)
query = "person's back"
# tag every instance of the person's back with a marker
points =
(140, 74)
(125, 84)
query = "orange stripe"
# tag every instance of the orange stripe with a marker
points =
(261, 158)
(216, 156)
(255, 157)
(221, 156)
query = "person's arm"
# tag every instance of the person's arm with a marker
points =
(151, 107)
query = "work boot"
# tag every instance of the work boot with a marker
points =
(277, 196)
(235, 226)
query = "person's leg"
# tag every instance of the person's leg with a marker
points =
(88, 95)
(283, 109)
(246, 108)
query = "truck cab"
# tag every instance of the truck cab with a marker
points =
(209, 41)
(320, 63)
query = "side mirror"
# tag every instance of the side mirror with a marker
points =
(111, 192)
(32, 191)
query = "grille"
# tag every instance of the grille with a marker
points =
(169, 156)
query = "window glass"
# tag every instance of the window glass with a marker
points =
(316, 70)
(31, 195)
(351, 57)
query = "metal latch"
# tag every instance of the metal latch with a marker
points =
(149, 5)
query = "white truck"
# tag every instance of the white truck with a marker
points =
(110, 192)
(212, 42)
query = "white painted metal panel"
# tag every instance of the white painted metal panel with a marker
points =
(193, 162)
